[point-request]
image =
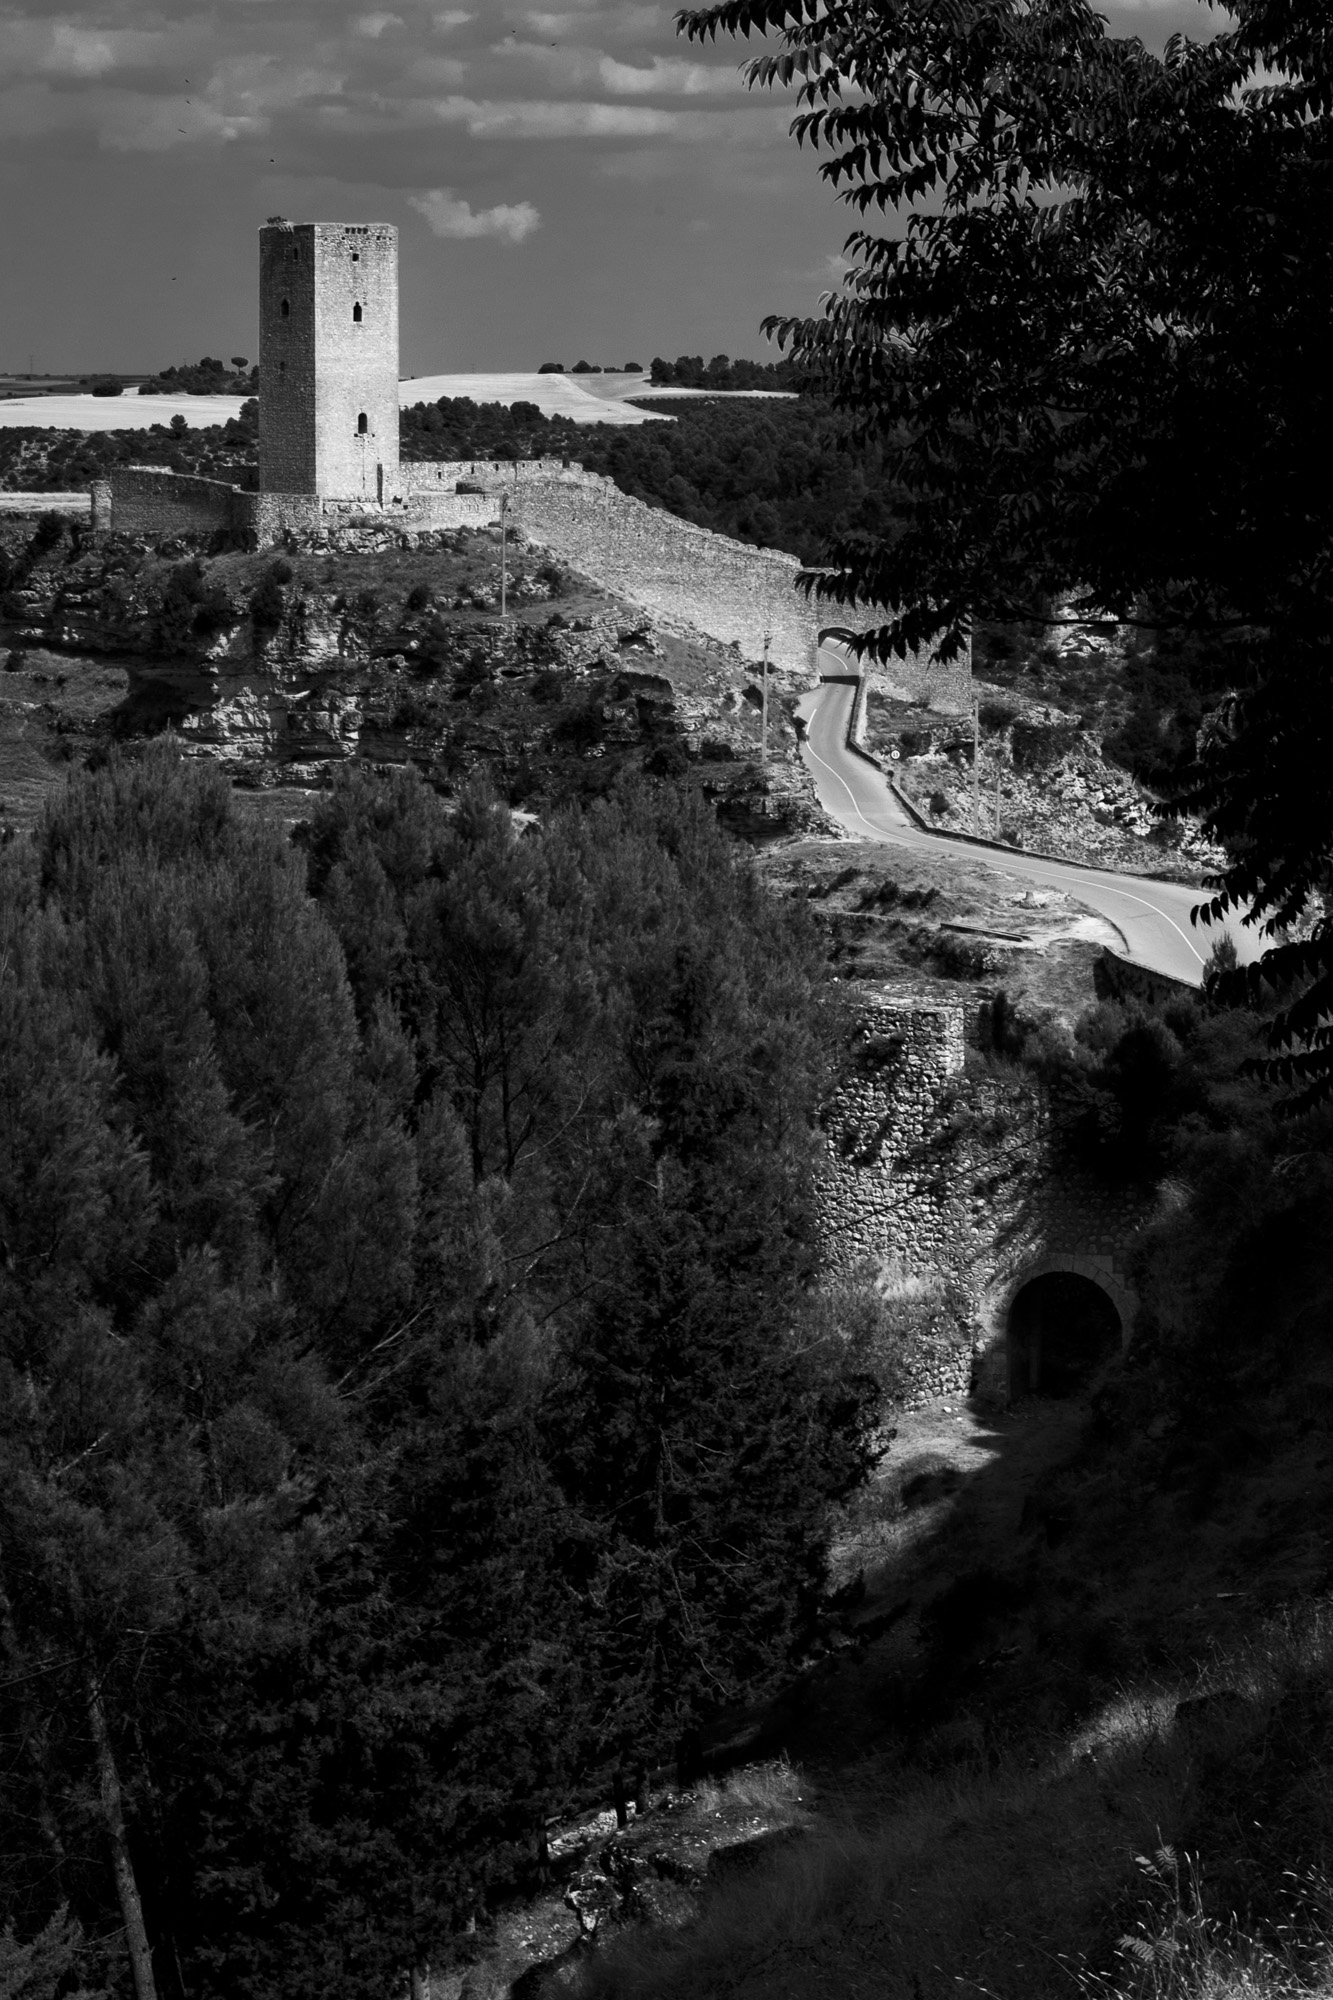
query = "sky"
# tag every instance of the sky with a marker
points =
(569, 180)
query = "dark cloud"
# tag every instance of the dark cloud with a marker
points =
(141, 144)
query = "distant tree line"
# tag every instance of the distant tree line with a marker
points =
(691, 371)
(34, 460)
(209, 377)
(778, 474)
(409, 1396)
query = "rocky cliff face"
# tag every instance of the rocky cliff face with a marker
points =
(1043, 783)
(284, 667)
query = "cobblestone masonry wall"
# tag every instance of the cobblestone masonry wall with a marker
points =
(947, 1184)
(730, 590)
(151, 500)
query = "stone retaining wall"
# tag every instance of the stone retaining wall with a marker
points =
(938, 1185)
(881, 1194)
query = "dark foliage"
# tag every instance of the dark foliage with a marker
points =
(1096, 367)
(209, 377)
(777, 473)
(691, 371)
(44, 461)
(408, 1395)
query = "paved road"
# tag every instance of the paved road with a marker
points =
(1152, 917)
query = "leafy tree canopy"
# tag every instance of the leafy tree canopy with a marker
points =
(408, 1395)
(1090, 335)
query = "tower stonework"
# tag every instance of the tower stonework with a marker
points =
(328, 360)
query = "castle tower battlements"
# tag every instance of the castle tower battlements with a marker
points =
(328, 360)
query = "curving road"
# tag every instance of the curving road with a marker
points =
(1152, 917)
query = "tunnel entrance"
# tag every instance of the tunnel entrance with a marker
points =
(1062, 1328)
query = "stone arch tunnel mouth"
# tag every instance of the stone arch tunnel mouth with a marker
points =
(1062, 1330)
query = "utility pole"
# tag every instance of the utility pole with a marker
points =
(976, 762)
(504, 551)
(763, 708)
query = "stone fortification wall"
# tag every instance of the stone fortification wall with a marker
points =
(494, 475)
(153, 501)
(277, 514)
(445, 509)
(731, 590)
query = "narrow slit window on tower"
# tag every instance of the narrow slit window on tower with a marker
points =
(356, 315)
(286, 309)
(362, 424)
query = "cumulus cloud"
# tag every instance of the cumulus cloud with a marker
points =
(135, 76)
(74, 52)
(571, 67)
(537, 118)
(576, 118)
(436, 72)
(452, 218)
(624, 23)
(80, 51)
(667, 76)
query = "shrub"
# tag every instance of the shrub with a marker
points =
(267, 603)
(193, 607)
(996, 717)
(105, 386)
(582, 727)
(670, 760)
(418, 597)
(1036, 746)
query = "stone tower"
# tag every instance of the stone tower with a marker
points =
(328, 359)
